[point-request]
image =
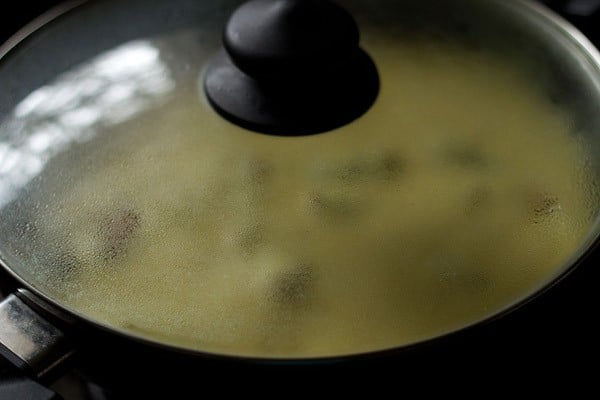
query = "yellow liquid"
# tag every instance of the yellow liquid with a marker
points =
(458, 194)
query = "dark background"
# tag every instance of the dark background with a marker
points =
(557, 332)
(15, 14)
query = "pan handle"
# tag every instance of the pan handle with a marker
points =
(30, 349)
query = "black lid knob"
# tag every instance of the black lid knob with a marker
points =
(275, 39)
(291, 67)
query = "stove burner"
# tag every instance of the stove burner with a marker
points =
(74, 387)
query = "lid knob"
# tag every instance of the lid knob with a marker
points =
(291, 67)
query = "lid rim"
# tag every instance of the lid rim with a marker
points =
(565, 29)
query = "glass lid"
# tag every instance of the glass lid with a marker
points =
(465, 188)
